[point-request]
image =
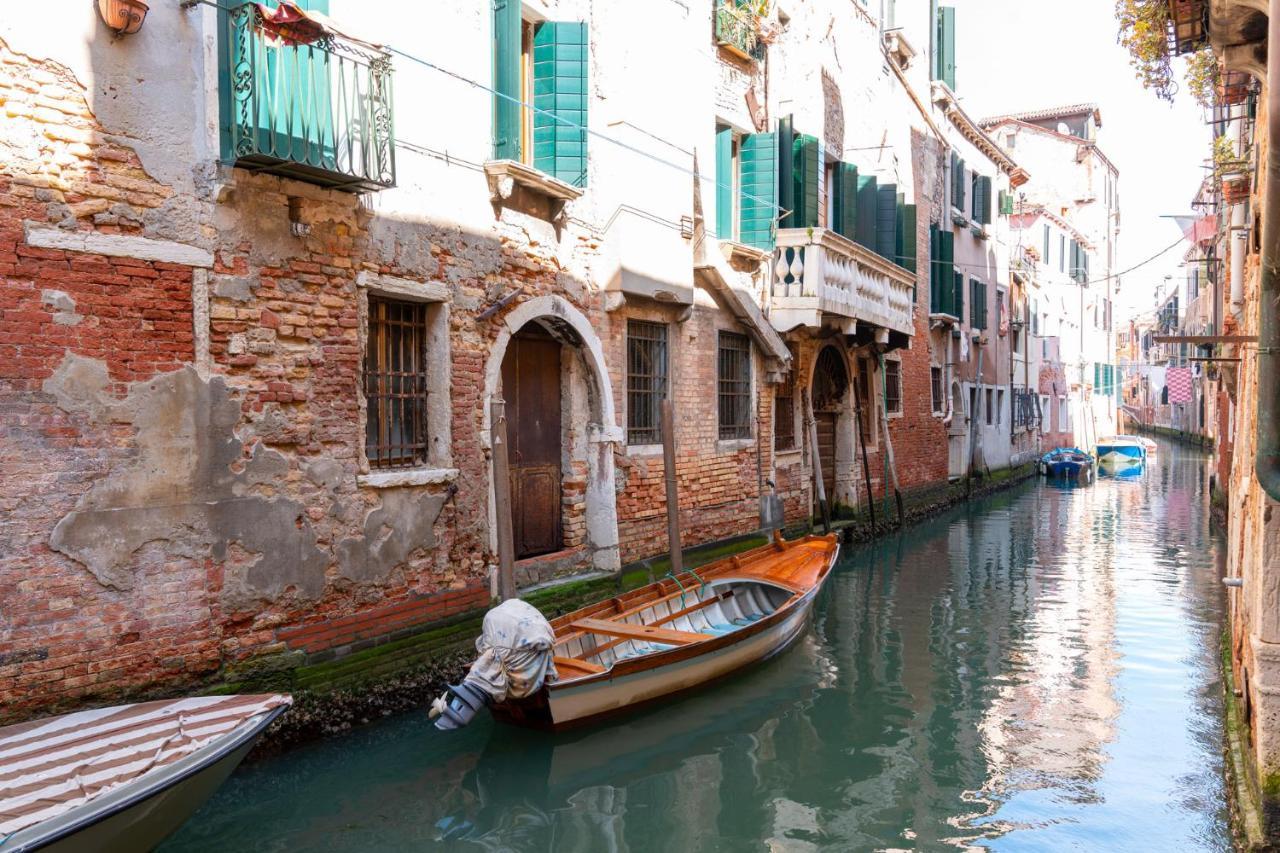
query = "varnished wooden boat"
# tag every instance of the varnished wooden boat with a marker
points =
(677, 634)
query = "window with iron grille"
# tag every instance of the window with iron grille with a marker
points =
(935, 389)
(646, 380)
(893, 387)
(784, 409)
(395, 384)
(734, 379)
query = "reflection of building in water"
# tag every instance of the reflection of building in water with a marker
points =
(1055, 711)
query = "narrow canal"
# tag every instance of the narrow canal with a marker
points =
(1033, 672)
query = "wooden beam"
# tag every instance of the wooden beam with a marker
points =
(1213, 359)
(668, 425)
(502, 498)
(1205, 339)
(639, 632)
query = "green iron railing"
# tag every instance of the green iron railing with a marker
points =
(736, 29)
(318, 112)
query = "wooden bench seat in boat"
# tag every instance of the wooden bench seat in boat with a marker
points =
(575, 667)
(639, 632)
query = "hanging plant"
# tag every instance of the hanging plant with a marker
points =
(1144, 28)
(1202, 77)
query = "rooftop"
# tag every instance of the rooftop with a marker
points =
(1046, 114)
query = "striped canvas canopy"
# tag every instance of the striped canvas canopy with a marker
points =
(50, 766)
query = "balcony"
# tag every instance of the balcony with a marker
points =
(319, 112)
(736, 30)
(817, 274)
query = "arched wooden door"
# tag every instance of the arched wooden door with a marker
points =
(531, 388)
(830, 384)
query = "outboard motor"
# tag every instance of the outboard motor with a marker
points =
(516, 655)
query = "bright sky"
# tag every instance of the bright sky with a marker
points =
(1019, 55)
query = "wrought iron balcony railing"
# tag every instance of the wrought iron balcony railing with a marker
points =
(319, 112)
(736, 30)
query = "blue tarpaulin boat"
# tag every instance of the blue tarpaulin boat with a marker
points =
(1070, 463)
(1121, 451)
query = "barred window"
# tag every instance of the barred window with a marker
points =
(734, 376)
(784, 408)
(395, 384)
(935, 389)
(646, 380)
(893, 387)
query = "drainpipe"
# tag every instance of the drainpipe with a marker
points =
(1267, 462)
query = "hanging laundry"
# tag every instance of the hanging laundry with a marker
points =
(1179, 382)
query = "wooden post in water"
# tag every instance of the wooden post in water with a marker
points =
(673, 495)
(819, 488)
(502, 498)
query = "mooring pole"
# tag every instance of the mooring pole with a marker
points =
(819, 488)
(502, 498)
(673, 495)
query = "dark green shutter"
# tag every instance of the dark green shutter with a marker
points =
(868, 202)
(724, 183)
(845, 200)
(560, 88)
(984, 212)
(784, 172)
(506, 79)
(957, 294)
(907, 237)
(945, 47)
(957, 182)
(1006, 203)
(807, 180)
(942, 298)
(758, 188)
(887, 221)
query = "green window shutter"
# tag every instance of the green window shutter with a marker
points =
(946, 46)
(868, 202)
(758, 189)
(907, 237)
(560, 91)
(957, 182)
(957, 294)
(1006, 203)
(785, 174)
(975, 197)
(935, 264)
(845, 201)
(887, 220)
(724, 183)
(945, 279)
(807, 179)
(506, 79)
(984, 212)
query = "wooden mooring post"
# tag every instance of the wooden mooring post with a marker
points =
(673, 494)
(502, 498)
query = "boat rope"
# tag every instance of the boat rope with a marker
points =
(682, 590)
(703, 587)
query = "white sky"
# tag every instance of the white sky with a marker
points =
(1018, 55)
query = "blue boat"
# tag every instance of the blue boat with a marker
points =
(1068, 463)
(1122, 451)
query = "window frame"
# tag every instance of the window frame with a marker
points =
(937, 401)
(867, 400)
(789, 416)
(891, 411)
(389, 318)
(738, 346)
(652, 433)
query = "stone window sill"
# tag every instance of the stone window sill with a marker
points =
(787, 454)
(410, 477)
(732, 445)
(742, 253)
(644, 449)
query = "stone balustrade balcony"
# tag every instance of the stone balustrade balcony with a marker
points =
(819, 277)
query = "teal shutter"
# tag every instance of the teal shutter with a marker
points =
(906, 255)
(807, 180)
(942, 271)
(845, 200)
(945, 47)
(957, 182)
(887, 221)
(757, 189)
(957, 294)
(506, 79)
(935, 261)
(560, 93)
(785, 174)
(724, 183)
(868, 202)
(985, 211)
(1006, 203)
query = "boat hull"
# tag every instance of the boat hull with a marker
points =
(140, 819)
(637, 682)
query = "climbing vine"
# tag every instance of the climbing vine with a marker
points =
(1144, 27)
(1202, 76)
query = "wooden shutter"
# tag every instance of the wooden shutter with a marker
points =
(946, 46)
(868, 202)
(957, 182)
(846, 200)
(957, 294)
(907, 237)
(984, 209)
(942, 271)
(758, 189)
(807, 179)
(724, 183)
(560, 88)
(887, 220)
(784, 172)
(506, 79)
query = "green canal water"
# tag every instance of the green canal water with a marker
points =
(1037, 671)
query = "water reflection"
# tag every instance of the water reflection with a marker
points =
(1033, 672)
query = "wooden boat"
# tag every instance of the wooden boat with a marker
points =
(122, 778)
(1068, 463)
(1121, 451)
(677, 634)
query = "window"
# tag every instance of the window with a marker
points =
(826, 198)
(784, 408)
(944, 51)
(977, 304)
(395, 384)
(646, 380)
(935, 390)
(734, 379)
(1064, 415)
(1046, 245)
(988, 403)
(1062, 253)
(999, 407)
(893, 386)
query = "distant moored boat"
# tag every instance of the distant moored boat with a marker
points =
(1069, 463)
(1121, 451)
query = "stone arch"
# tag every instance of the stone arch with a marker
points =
(575, 331)
(832, 400)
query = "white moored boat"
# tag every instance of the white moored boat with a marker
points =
(122, 778)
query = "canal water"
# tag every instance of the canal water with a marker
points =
(1036, 671)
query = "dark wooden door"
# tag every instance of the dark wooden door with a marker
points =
(826, 424)
(531, 387)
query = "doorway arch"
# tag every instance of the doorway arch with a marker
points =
(830, 393)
